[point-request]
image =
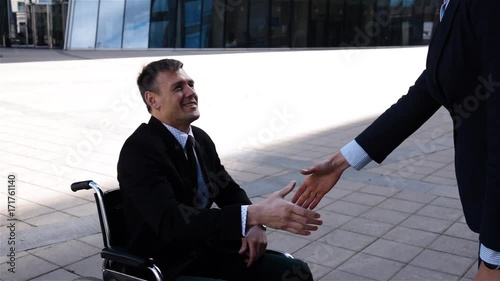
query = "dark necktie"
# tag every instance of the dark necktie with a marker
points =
(196, 172)
(191, 158)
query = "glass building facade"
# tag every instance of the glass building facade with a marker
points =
(142, 24)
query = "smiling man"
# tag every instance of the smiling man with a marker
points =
(170, 175)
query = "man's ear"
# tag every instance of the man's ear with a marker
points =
(150, 99)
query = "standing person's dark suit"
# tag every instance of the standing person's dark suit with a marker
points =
(170, 174)
(463, 75)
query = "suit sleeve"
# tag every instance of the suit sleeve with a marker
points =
(485, 16)
(399, 121)
(152, 195)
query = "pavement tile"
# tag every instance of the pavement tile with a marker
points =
(457, 246)
(385, 215)
(446, 174)
(349, 185)
(31, 210)
(337, 193)
(447, 202)
(26, 267)
(368, 227)
(440, 212)
(386, 191)
(65, 253)
(317, 271)
(393, 250)
(445, 190)
(89, 267)
(472, 271)
(285, 242)
(337, 275)
(240, 176)
(57, 275)
(413, 196)
(63, 202)
(324, 254)
(364, 198)
(346, 208)
(423, 170)
(348, 240)
(431, 164)
(412, 273)
(333, 220)
(410, 236)
(462, 220)
(401, 205)
(427, 223)
(93, 240)
(50, 218)
(372, 267)
(311, 154)
(5, 258)
(82, 210)
(324, 202)
(317, 234)
(265, 170)
(461, 230)
(443, 262)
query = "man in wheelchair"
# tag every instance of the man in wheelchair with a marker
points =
(170, 174)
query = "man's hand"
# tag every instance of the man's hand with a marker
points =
(320, 179)
(278, 213)
(486, 274)
(254, 244)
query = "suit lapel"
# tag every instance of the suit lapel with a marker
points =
(436, 47)
(174, 151)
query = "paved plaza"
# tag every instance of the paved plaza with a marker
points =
(65, 115)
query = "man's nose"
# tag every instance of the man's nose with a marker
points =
(188, 91)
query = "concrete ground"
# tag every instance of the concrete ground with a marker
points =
(65, 115)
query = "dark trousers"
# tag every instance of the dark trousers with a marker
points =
(232, 267)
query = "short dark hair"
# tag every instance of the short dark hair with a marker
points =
(146, 81)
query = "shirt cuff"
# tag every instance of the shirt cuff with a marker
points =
(244, 210)
(355, 155)
(489, 256)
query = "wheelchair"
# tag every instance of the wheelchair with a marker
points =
(118, 264)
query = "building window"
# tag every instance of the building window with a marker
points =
(258, 28)
(136, 26)
(163, 21)
(84, 24)
(110, 24)
(280, 23)
(236, 23)
(192, 22)
(21, 7)
(299, 23)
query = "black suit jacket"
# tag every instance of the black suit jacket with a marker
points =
(160, 197)
(462, 74)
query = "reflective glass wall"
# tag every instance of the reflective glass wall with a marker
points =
(141, 24)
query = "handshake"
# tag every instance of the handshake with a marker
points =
(297, 216)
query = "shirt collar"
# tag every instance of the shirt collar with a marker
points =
(179, 135)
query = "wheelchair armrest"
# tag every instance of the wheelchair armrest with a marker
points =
(125, 258)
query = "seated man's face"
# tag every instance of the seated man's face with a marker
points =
(176, 104)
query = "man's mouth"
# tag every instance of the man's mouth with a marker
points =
(191, 103)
